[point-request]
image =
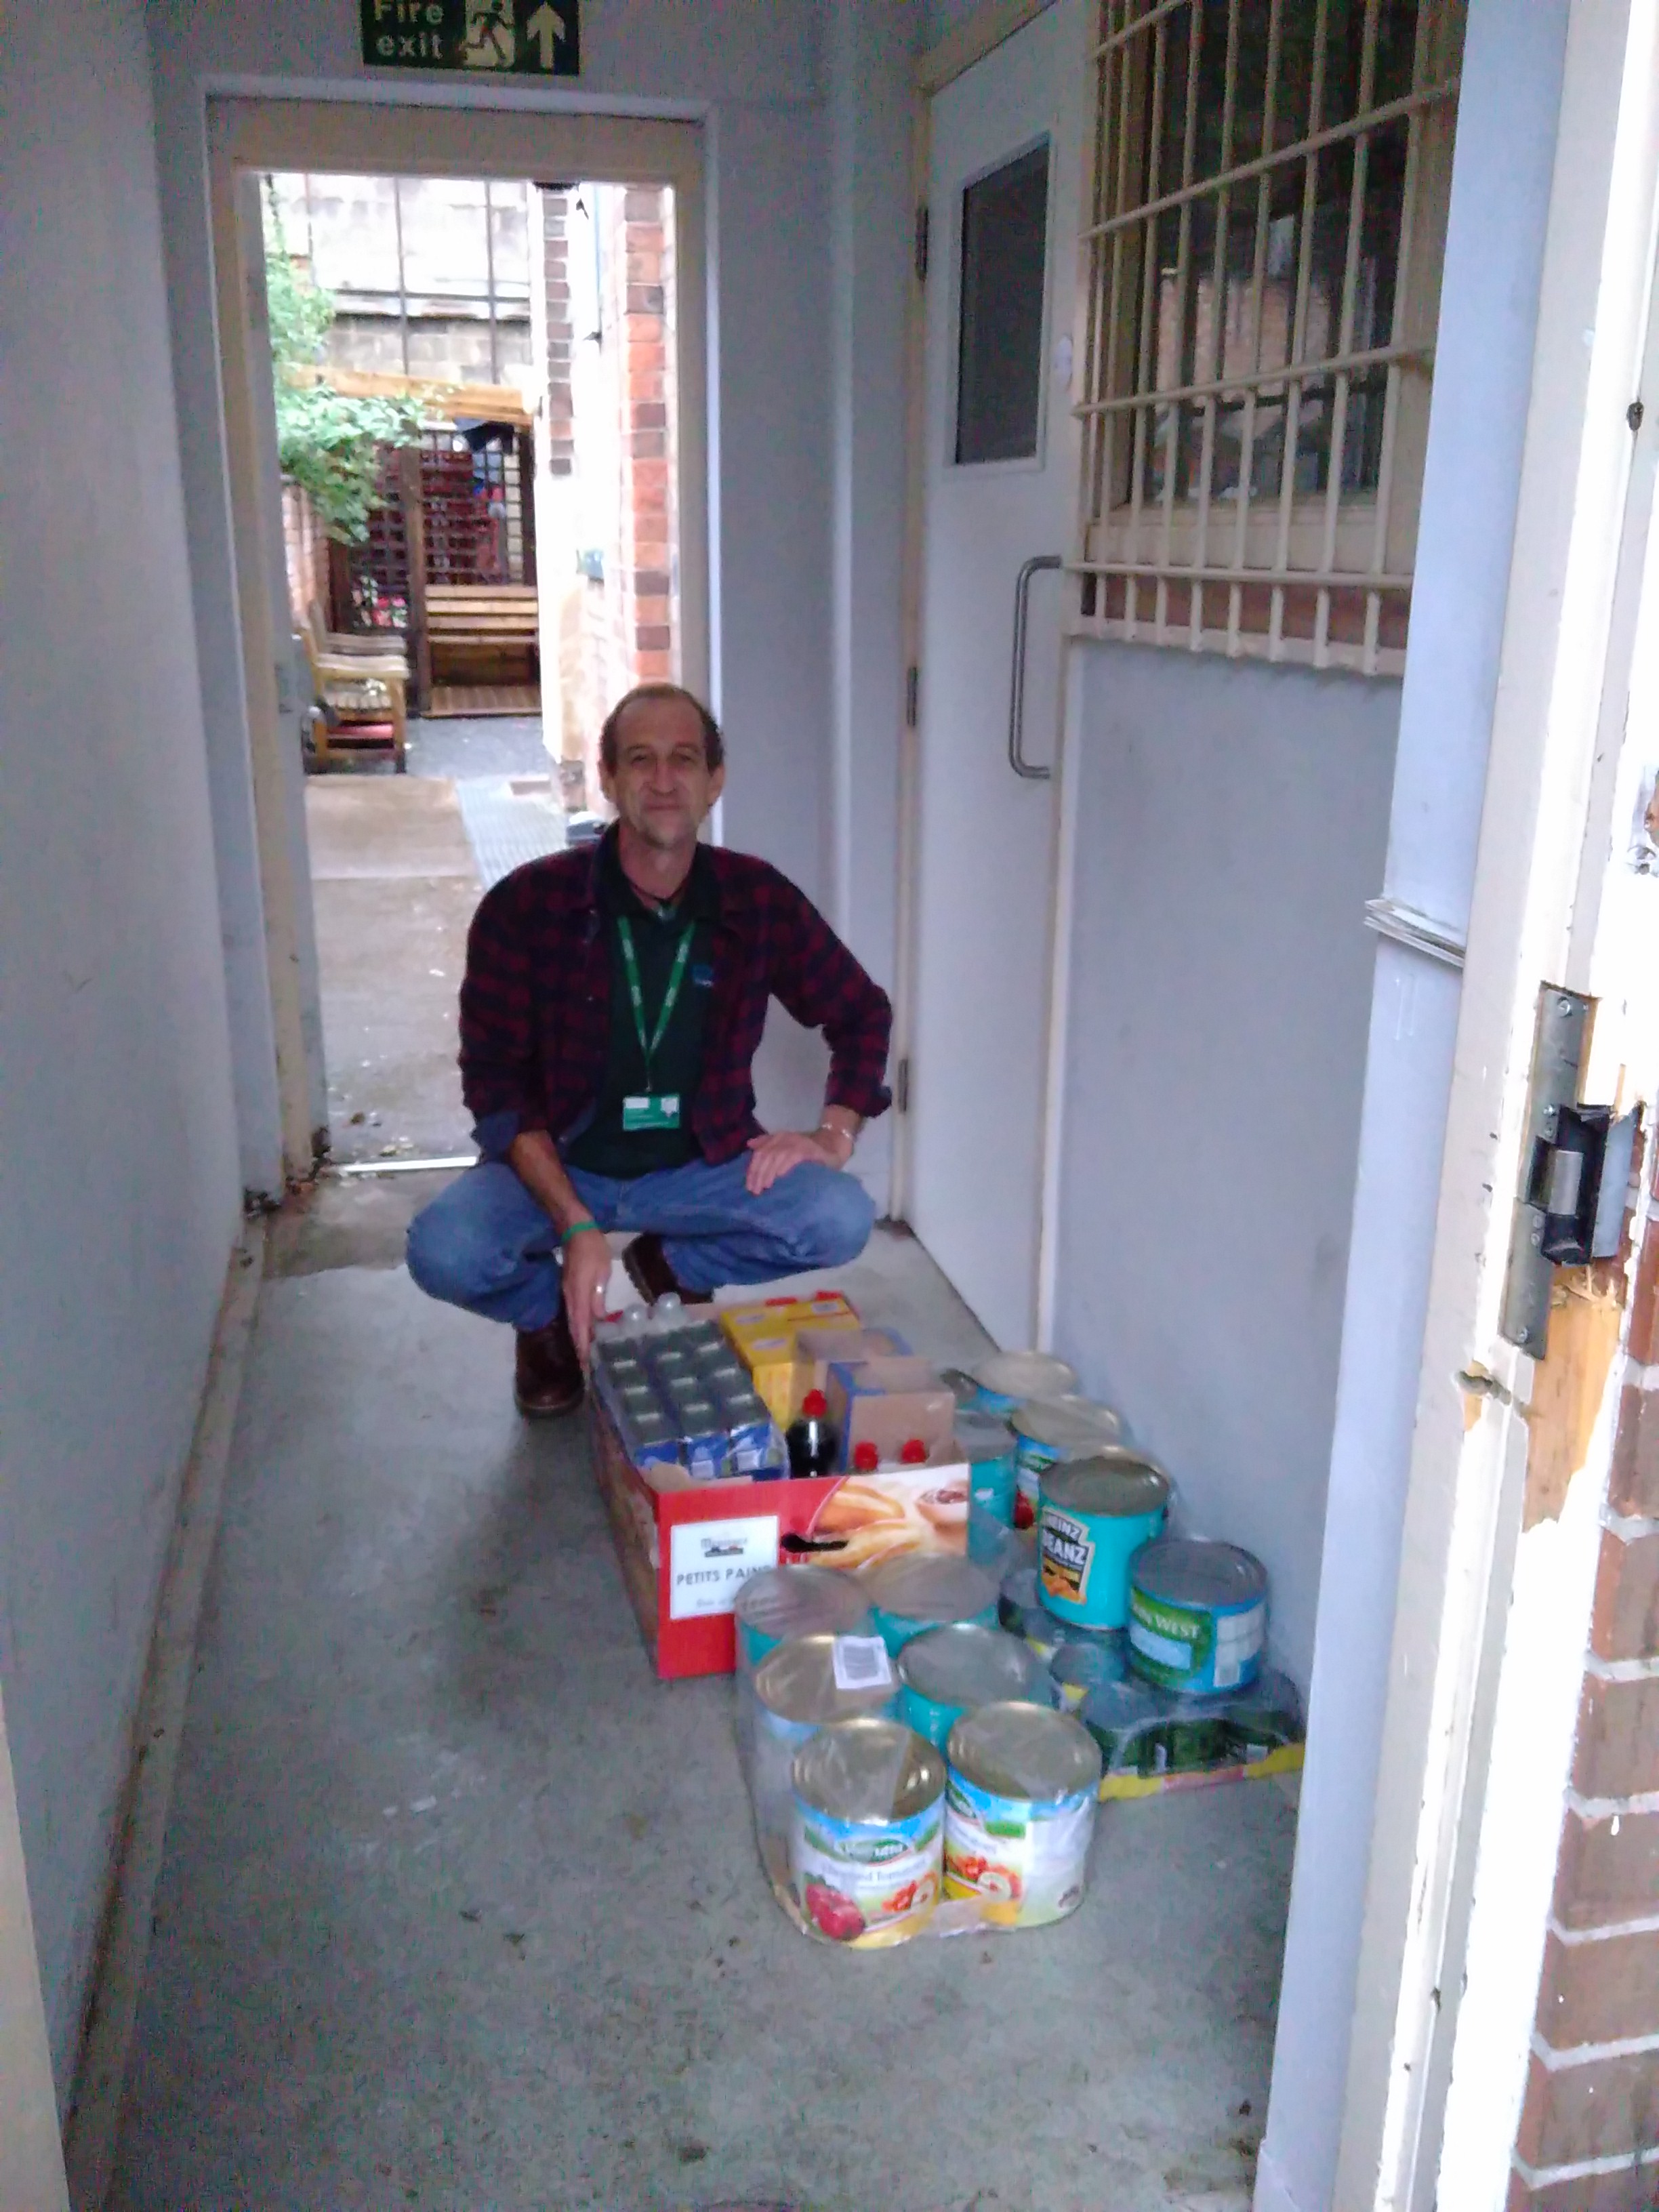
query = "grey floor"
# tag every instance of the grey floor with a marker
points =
(461, 1907)
(481, 744)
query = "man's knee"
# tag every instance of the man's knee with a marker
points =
(838, 1223)
(452, 1253)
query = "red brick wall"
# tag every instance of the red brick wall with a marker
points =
(556, 274)
(306, 552)
(1589, 2140)
(644, 582)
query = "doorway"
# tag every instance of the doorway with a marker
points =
(472, 380)
(533, 541)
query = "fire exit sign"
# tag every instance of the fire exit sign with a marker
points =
(507, 38)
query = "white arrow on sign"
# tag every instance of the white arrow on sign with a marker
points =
(546, 26)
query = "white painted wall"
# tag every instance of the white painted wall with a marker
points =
(1508, 110)
(753, 74)
(1232, 823)
(117, 1125)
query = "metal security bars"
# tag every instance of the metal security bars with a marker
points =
(1263, 246)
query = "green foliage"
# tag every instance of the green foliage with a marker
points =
(326, 443)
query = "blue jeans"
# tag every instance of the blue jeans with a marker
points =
(486, 1244)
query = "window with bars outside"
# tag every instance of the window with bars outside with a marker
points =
(1262, 254)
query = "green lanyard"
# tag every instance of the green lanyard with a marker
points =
(677, 976)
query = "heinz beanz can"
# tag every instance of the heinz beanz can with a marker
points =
(946, 1671)
(1093, 1516)
(1019, 1812)
(868, 1833)
(1197, 1616)
(1048, 1431)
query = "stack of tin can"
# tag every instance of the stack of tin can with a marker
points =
(909, 1757)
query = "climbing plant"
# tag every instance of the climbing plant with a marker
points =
(328, 444)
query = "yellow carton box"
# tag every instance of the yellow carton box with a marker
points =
(764, 1333)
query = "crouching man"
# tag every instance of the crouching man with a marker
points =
(613, 1003)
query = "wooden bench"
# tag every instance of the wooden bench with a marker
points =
(481, 633)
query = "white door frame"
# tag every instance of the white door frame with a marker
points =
(1546, 828)
(377, 137)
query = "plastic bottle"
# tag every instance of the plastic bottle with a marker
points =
(811, 1437)
(912, 1453)
(865, 1459)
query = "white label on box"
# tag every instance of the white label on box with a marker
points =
(709, 1561)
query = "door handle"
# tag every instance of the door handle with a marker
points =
(1017, 759)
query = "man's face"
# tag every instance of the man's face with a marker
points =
(662, 785)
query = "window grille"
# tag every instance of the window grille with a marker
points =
(1263, 246)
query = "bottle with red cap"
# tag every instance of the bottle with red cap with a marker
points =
(812, 1438)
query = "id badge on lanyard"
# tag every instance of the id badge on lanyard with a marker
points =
(658, 1109)
(652, 1110)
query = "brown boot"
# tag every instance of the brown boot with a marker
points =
(547, 1375)
(650, 1273)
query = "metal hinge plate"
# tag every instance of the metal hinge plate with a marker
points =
(901, 1085)
(924, 224)
(912, 694)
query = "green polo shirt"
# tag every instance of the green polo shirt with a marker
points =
(605, 1147)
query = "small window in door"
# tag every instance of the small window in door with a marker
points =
(1005, 254)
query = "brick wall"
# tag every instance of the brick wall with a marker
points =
(1589, 2140)
(556, 276)
(306, 552)
(641, 283)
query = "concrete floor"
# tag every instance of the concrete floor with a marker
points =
(461, 1907)
(394, 885)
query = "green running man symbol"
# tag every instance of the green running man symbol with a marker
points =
(490, 40)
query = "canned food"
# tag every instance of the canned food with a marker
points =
(1093, 1516)
(1124, 1718)
(1050, 1430)
(796, 1690)
(1006, 1380)
(946, 1671)
(1265, 1717)
(921, 1589)
(1076, 1669)
(987, 1445)
(868, 1833)
(1197, 1616)
(1020, 1812)
(781, 1602)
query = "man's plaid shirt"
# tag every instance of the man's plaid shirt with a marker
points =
(536, 1003)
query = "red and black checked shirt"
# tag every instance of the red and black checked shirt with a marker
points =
(536, 1003)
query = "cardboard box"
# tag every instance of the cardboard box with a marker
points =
(764, 1333)
(886, 1402)
(685, 1548)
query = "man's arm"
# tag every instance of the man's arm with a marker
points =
(534, 1159)
(819, 981)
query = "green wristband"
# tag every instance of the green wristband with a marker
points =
(576, 1229)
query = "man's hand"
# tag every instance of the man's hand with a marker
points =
(774, 1156)
(587, 1272)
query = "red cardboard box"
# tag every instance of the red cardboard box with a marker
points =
(685, 1548)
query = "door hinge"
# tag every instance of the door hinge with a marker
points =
(1575, 1164)
(923, 226)
(912, 694)
(902, 1084)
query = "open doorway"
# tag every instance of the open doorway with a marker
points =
(473, 411)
